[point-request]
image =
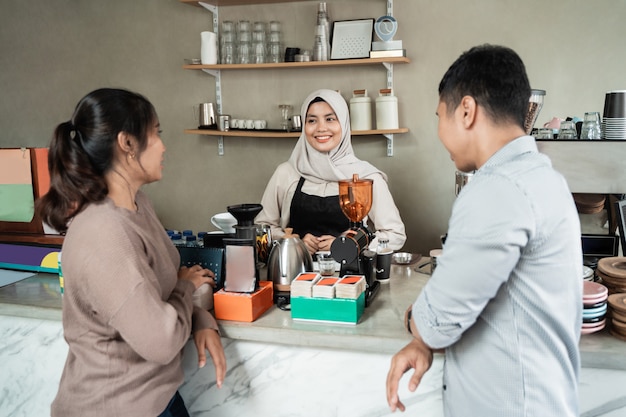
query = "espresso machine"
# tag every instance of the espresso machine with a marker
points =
(350, 248)
(242, 272)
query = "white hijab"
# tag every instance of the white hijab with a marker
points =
(338, 164)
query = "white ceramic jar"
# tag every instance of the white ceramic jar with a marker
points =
(360, 111)
(386, 110)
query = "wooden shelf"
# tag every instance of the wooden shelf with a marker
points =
(310, 64)
(235, 2)
(30, 238)
(275, 134)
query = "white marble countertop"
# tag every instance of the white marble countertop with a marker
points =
(380, 330)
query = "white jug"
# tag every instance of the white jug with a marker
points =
(208, 48)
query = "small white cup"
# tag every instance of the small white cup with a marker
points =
(249, 124)
(225, 222)
(260, 124)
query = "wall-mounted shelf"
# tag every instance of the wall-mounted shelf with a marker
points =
(388, 133)
(278, 134)
(235, 2)
(215, 71)
(310, 64)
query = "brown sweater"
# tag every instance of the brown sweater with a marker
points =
(126, 315)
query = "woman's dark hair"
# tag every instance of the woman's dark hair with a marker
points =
(82, 150)
(495, 77)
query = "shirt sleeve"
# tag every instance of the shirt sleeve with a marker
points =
(489, 227)
(385, 216)
(276, 200)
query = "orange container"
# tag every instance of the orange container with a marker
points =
(241, 306)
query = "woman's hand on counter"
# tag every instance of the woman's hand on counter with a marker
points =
(197, 275)
(209, 339)
(416, 355)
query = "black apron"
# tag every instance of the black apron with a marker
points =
(316, 215)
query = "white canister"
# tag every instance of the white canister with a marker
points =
(386, 110)
(360, 111)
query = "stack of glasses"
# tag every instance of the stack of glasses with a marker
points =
(250, 44)
(614, 117)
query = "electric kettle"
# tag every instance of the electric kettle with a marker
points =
(288, 257)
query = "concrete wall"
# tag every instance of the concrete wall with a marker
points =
(54, 52)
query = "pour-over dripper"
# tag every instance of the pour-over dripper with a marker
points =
(355, 198)
(245, 213)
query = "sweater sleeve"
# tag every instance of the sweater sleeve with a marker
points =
(123, 291)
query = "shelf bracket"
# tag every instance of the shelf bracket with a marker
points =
(389, 67)
(389, 7)
(215, 73)
(213, 9)
(220, 145)
(389, 137)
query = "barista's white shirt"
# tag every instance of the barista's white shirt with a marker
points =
(505, 299)
(282, 185)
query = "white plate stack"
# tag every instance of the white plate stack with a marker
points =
(614, 116)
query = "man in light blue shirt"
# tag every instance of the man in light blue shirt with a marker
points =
(505, 301)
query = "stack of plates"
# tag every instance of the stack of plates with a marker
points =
(614, 116)
(612, 272)
(589, 203)
(617, 304)
(594, 307)
(588, 274)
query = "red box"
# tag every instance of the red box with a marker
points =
(242, 306)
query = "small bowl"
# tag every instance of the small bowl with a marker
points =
(193, 61)
(402, 258)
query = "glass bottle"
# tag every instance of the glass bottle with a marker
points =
(321, 46)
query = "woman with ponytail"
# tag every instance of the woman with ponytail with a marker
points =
(127, 307)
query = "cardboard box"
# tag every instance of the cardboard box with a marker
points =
(342, 310)
(241, 306)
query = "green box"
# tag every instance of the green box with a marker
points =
(343, 310)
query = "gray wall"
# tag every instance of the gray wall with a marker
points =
(54, 52)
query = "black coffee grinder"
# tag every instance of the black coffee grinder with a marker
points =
(350, 248)
(242, 272)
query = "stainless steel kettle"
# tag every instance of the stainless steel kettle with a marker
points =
(288, 257)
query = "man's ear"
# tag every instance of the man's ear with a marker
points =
(469, 108)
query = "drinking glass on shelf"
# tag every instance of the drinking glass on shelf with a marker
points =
(227, 53)
(567, 130)
(545, 133)
(285, 111)
(591, 126)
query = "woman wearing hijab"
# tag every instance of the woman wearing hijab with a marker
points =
(303, 193)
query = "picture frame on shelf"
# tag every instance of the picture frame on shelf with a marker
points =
(352, 39)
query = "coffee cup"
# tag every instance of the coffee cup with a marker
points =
(223, 122)
(224, 221)
(235, 124)
(260, 124)
(249, 124)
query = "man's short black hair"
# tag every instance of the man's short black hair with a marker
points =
(495, 77)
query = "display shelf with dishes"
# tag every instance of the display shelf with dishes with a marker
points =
(215, 71)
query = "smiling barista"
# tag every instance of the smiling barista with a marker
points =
(303, 193)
